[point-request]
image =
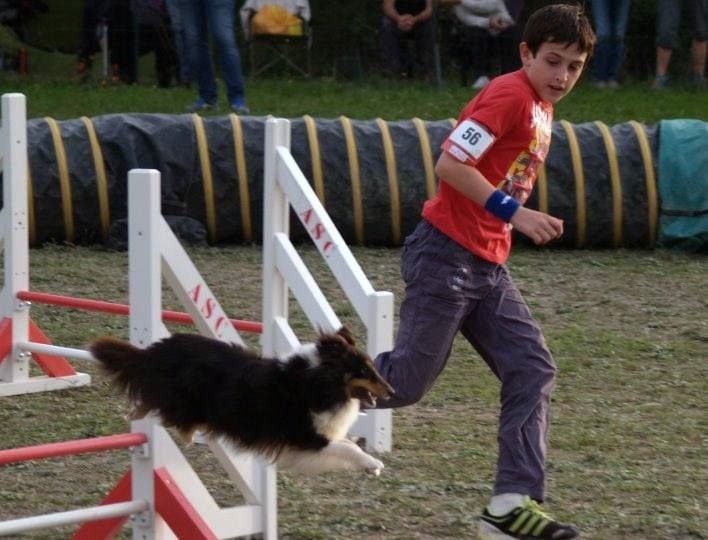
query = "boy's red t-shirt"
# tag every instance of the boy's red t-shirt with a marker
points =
(505, 132)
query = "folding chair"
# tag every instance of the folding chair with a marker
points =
(272, 42)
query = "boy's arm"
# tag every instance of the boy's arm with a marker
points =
(539, 227)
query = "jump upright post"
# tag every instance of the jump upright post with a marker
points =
(16, 327)
(21, 340)
(161, 491)
(285, 186)
(156, 253)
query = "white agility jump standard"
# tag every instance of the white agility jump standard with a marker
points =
(16, 326)
(285, 186)
(21, 340)
(162, 492)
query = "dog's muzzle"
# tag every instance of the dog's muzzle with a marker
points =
(367, 391)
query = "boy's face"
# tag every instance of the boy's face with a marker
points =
(554, 70)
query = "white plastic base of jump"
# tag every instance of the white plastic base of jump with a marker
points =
(44, 384)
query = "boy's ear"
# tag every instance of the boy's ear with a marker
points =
(525, 53)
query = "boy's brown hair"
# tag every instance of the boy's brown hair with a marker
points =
(559, 23)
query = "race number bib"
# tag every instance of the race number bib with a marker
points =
(468, 141)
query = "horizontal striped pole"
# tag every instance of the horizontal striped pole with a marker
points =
(54, 350)
(68, 448)
(122, 309)
(81, 515)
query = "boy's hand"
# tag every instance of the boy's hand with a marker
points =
(539, 227)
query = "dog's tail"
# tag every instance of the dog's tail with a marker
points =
(121, 360)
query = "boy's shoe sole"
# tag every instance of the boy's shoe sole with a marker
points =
(487, 531)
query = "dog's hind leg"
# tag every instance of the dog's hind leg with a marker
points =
(340, 455)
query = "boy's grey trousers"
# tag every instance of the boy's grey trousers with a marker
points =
(448, 289)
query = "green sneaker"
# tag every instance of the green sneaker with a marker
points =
(527, 522)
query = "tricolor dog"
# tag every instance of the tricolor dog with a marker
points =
(295, 410)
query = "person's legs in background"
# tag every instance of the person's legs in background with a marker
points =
(222, 22)
(698, 15)
(122, 42)
(698, 56)
(173, 9)
(601, 15)
(508, 41)
(156, 24)
(619, 18)
(668, 18)
(424, 38)
(390, 48)
(199, 56)
(474, 52)
(88, 45)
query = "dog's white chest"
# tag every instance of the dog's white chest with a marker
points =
(334, 424)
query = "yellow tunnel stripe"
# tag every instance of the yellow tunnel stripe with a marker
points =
(101, 180)
(616, 180)
(64, 180)
(427, 155)
(355, 177)
(315, 158)
(242, 174)
(207, 178)
(577, 161)
(391, 171)
(652, 197)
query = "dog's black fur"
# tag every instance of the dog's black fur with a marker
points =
(298, 404)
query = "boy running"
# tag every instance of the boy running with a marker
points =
(454, 268)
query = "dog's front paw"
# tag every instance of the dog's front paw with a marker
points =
(376, 471)
(373, 465)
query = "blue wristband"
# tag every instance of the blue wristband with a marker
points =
(502, 205)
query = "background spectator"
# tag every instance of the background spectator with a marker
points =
(509, 38)
(480, 24)
(17, 13)
(610, 17)
(200, 17)
(94, 16)
(150, 19)
(180, 41)
(403, 21)
(669, 17)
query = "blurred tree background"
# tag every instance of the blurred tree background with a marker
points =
(346, 34)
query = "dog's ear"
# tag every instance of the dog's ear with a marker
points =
(346, 335)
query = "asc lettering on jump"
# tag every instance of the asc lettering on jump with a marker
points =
(208, 307)
(317, 231)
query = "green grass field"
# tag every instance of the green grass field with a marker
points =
(326, 98)
(628, 330)
(627, 453)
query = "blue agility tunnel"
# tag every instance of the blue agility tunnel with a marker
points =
(627, 185)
